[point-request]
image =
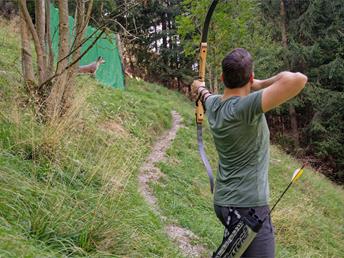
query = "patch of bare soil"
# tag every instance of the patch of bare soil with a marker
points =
(115, 128)
(150, 173)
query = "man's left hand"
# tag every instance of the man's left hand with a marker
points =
(195, 86)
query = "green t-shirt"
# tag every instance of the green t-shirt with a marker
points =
(242, 140)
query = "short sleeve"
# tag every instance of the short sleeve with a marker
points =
(249, 107)
(210, 101)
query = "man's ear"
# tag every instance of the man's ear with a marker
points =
(222, 79)
(251, 77)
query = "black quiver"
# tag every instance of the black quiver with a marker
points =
(240, 237)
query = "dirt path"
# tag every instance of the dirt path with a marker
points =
(150, 173)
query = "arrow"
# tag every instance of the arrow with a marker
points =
(296, 175)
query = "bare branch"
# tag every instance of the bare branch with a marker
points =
(88, 14)
(40, 23)
(125, 30)
(50, 62)
(79, 26)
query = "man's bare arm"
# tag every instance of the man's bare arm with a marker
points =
(262, 84)
(280, 88)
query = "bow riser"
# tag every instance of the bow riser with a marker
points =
(203, 61)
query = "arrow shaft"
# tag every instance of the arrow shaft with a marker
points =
(287, 188)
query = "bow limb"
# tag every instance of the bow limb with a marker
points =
(204, 39)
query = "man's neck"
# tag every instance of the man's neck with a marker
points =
(241, 92)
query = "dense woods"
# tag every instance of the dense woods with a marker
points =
(312, 40)
(305, 36)
(161, 39)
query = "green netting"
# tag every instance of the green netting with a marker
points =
(110, 73)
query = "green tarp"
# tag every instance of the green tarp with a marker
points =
(110, 73)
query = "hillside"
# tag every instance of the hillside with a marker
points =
(71, 189)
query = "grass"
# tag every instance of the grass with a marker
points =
(70, 189)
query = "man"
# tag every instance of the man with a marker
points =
(241, 137)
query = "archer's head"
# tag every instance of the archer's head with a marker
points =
(237, 69)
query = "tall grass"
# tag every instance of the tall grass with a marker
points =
(71, 185)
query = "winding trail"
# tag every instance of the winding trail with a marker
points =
(150, 173)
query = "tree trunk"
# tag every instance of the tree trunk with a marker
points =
(284, 30)
(291, 108)
(164, 28)
(40, 25)
(49, 44)
(120, 51)
(63, 35)
(79, 22)
(164, 37)
(216, 86)
(156, 39)
(54, 101)
(293, 124)
(28, 73)
(38, 46)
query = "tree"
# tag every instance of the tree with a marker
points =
(315, 47)
(52, 91)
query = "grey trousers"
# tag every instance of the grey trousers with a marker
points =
(263, 246)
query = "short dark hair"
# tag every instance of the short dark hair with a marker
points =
(237, 67)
